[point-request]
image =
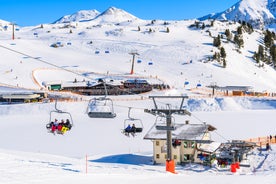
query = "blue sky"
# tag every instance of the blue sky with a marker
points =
(34, 12)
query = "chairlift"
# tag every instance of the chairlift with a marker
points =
(161, 124)
(60, 121)
(101, 107)
(132, 125)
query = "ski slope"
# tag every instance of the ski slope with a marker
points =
(29, 154)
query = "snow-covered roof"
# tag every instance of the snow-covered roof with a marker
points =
(233, 88)
(182, 132)
(209, 148)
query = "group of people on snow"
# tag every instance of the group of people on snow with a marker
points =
(59, 127)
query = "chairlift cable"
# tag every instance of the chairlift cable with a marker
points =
(56, 66)
(214, 130)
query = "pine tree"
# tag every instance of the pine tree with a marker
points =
(256, 57)
(224, 63)
(239, 30)
(268, 39)
(261, 52)
(228, 34)
(216, 41)
(222, 53)
(273, 54)
(212, 23)
(238, 40)
(203, 26)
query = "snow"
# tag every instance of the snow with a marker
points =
(259, 13)
(29, 154)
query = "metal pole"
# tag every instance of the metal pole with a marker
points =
(169, 137)
(132, 66)
(133, 53)
(13, 31)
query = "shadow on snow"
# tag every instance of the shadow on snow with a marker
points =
(126, 159)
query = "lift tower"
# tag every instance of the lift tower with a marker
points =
(167, 112)
(133, 53)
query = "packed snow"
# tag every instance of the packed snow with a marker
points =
(95, 150)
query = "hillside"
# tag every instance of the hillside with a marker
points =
(171, 47)
(95, 150)
(259, 13)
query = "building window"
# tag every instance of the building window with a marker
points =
(164, 149)
(157, 143)
(187, 157)
(189, 144)
(174, 157)
(157, 156)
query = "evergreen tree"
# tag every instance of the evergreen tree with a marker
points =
(228, 34)
(239, 30)
(216, 41)
(203, 26)
(273, 54)
(212, 23)
(224, 63)
(256, 57)
(216, 56)
(261, 52)
(238, 40)
(268, 39)
(222, 53)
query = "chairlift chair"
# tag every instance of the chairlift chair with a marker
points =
(101, 108)
(161, 124)
(58, 114)
(130, 122)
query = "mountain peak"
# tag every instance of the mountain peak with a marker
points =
(80, 16)
(115, 15)
(259, 13)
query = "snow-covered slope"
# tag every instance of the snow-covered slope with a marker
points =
(110, 16)
(259, 13)
(174, 54)
(30, 154)
(4, 25)
(83, 15)
(115, 15)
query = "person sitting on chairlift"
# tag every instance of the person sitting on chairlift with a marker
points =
(54, 125)
(127, 130)
(60, 125)
(68, 124)
(133, 128)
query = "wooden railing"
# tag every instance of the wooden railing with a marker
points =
(261, 141)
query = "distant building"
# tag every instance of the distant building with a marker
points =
(113, 87)
(190, 143)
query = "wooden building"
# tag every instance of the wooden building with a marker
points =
(111, 87)
(190, 143)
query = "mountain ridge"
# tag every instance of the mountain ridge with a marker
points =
(259, 13)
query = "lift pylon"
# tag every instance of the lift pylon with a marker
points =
(167, 112)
